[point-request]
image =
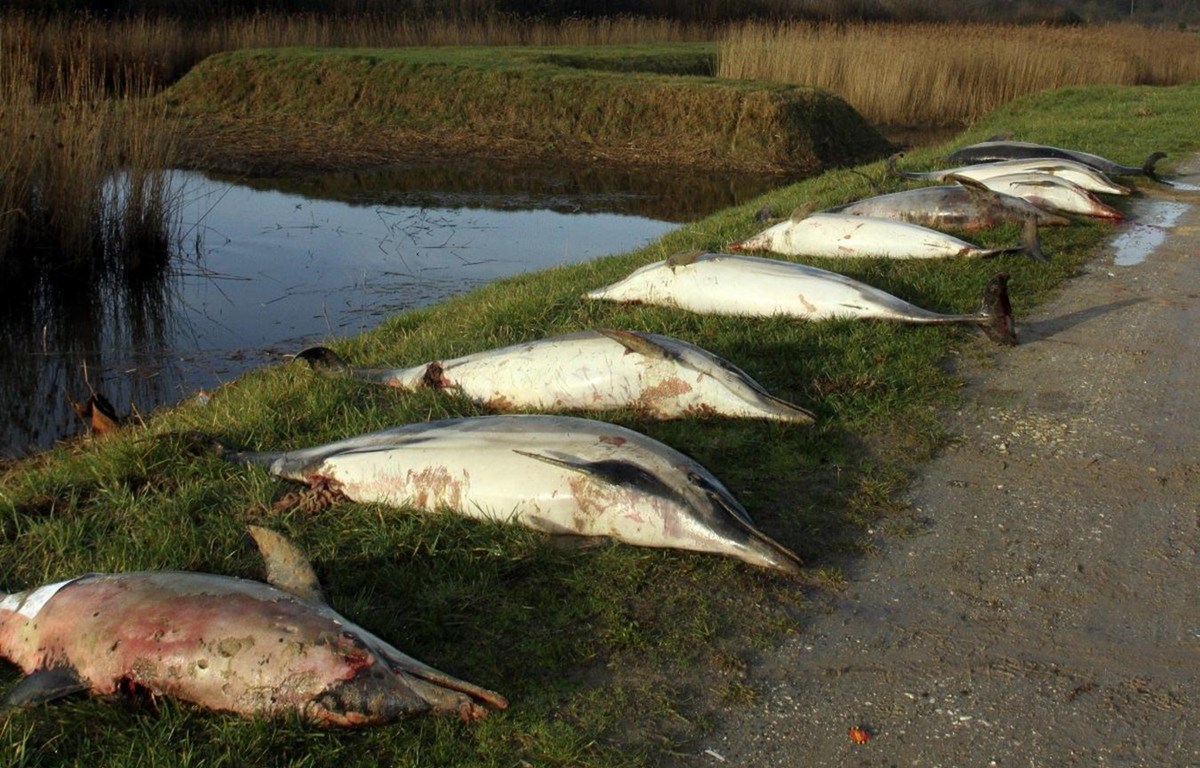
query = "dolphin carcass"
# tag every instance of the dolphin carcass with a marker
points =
(1075, 172)
(995, 150)
(559, 474)
(222, 643)
(966, 206)
(658, 376)
(728, 284)
(841, 235)
(1052, 193)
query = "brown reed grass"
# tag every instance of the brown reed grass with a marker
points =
(953, 74)
(84, 193)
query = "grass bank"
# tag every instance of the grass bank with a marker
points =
(611, 656)
(953, 74)
(579, 103)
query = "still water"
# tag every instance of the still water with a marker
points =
(267, 267)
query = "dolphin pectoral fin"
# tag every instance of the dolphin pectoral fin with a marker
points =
(287, 567)
(324, 360)
(637, 343)
(44, 685)
(623, 474)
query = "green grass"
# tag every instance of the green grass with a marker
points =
(631, 102)
(610, 656)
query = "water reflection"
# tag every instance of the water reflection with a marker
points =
(663, 195)
(266, 267)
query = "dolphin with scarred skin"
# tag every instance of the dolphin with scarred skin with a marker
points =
(559, 474)
(221, 643)
(658, 376)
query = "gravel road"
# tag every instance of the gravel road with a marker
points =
(1046, 612)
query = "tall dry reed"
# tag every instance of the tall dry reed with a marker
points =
(943, 74)
(84, 194)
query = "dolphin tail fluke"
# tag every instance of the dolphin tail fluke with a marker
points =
(1031, 243)
(324, 360)
(1151, 161)
(996, 317)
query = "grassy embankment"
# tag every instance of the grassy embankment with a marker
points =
(577, 103)
(953, 74)
(612, 655)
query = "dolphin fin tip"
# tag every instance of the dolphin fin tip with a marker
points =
(288, 568)
(45, 685)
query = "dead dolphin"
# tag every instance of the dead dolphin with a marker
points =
(660, 376)
(1052, 193)
(989, 151)
(966, 206)
(1073, 171)
(222, 643)
(559, 474)
(728, 284)
(841, 235)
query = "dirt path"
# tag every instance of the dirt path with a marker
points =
(1047, 611)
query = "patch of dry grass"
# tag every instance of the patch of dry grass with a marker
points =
(953, 74)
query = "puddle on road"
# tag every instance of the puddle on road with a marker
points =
(1154, 220)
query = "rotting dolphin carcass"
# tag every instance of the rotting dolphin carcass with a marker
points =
(729, 284)
(658, 376)
(559, 474)
(842, 235)
(1053, 194)
(989, 151)
(1073, 171)
(222, 643)
(966, 206)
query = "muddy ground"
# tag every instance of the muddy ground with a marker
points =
(1043, 609)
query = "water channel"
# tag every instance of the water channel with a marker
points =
(267, 267)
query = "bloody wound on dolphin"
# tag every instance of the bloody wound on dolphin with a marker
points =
(222, 643)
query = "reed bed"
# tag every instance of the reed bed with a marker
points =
(953, 74)
(127, 55)
(84, 194)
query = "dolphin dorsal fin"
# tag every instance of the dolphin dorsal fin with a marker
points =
(802, 211)
(637, 343)
(287, 567)
(683, 258)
